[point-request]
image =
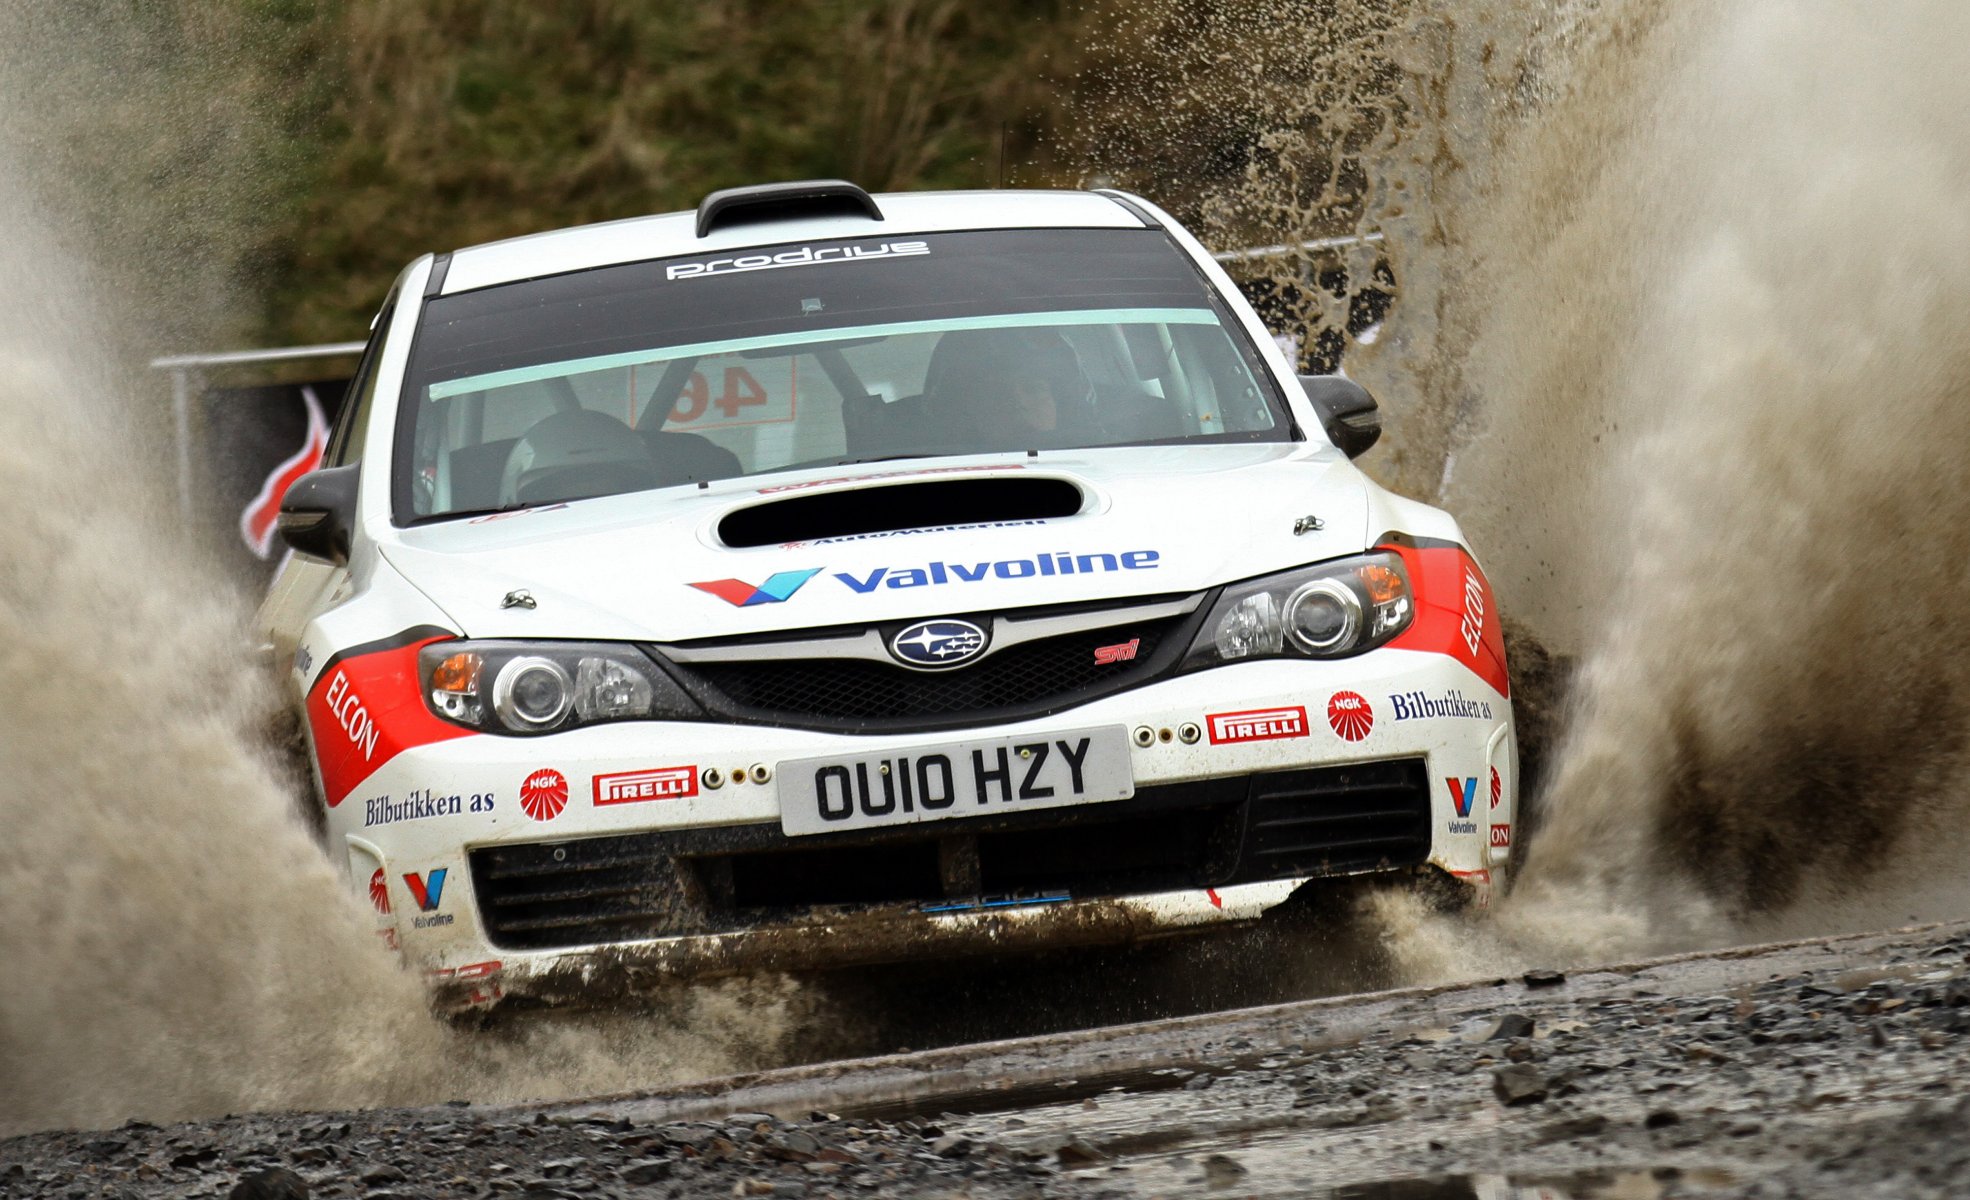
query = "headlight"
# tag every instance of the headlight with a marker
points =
(541, 687)
(1330, 610)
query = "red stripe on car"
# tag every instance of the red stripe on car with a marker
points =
(366, 709)
(1456, 614)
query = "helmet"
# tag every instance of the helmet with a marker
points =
(573, 455)
(971, 367)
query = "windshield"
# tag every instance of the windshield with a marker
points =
(676, 371)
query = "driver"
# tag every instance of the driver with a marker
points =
(1013, 383)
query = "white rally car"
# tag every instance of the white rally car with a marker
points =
(823, 578)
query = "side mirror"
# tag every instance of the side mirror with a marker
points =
(1346, 411)
(318, 512)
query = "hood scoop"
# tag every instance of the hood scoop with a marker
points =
(899, 506)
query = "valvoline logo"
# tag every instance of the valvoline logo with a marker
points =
(428, 889)
(935, 574)
(1463, 794)
(777, 588)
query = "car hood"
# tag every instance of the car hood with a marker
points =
(651, 565)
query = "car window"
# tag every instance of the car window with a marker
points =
(658, 374)
(345, 443)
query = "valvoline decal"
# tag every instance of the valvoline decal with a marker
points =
(366, 708)
(1456, 614)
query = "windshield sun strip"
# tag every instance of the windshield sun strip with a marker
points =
(1101, 316)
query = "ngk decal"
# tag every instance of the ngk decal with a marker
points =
(1350, 715)
(544, 794)
(658, 783)
(365, 709)
(1257, 725)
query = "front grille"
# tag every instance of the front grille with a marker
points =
(1043, 675)
(1210, 833)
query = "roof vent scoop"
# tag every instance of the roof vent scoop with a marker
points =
(784, 202)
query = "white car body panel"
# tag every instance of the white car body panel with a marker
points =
(414, 796)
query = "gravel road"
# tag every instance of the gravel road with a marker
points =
(1829, 1069)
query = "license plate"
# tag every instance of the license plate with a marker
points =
(961, 779)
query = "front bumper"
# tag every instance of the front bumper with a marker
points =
(636, 871)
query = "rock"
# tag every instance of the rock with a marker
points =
(754, 1119)
(1198, 1083)
(646, 1172)
(192, 1159)
(1589, 1124)
(1222, 1170)
(1542, 979)
(1511, 1025)
(951, 1145)
(793, 1146)
(1076, 1152)
(1662, 1118)
(1518, 1084)
(381, 1174)
(695, 1136)
(276, 1184)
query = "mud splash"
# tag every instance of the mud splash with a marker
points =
(1678, 339)
(174, 943)
(1710, 421)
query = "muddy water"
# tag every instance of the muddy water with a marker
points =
(1697, 333)
(173, 941)
(1679, 340)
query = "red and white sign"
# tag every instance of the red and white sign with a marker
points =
(1257, 725)
(1351, 715)
(660, 783)
(544, 794)
(1501, 835)
(1114, 654)
(379, 891)
(726, 393)
(1497, 788)
(260, 517)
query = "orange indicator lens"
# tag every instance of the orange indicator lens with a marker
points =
(459, 673)
(1383, 583)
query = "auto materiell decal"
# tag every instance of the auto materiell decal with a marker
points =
(365, 709)
(1456, 613)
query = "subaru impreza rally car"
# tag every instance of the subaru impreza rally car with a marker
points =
(823, 578)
